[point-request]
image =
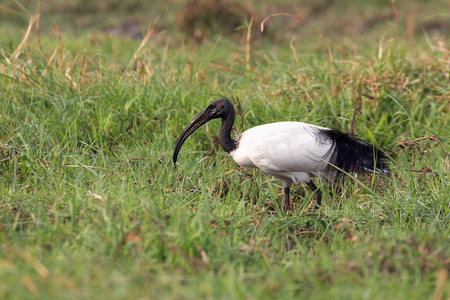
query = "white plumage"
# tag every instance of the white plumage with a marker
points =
(290, 151)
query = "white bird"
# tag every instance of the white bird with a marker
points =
(293, 152)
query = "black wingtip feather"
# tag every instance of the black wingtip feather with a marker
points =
(351, 154)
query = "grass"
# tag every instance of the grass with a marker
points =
(91, 205)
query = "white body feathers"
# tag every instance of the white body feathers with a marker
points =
(291, 151)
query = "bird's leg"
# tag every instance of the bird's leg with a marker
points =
(318, 194)
(286, 200)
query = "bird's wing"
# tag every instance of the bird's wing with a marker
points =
(283, 147)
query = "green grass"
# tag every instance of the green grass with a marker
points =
(91, 205)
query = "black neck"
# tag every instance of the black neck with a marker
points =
(227, 143)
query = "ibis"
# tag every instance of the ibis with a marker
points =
(293, 152)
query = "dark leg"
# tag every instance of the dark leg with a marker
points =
(286, 200)
(318, 195)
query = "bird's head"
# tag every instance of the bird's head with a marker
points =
(219, 108)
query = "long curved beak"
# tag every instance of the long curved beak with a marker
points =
(193, 125)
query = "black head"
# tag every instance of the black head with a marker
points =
(219, 108)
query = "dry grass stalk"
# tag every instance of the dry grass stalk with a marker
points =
(17, 52)
(150, 33)
(440, 284)
(249, 36)
(394, 9)
(431, 138)
(291, 45)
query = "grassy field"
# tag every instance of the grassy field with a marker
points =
(92, 207)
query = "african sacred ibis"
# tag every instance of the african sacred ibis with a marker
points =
(290, 151)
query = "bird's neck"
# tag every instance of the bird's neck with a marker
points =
(227, 143)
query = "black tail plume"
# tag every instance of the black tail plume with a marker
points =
(351, 154)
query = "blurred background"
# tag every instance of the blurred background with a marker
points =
(353, 23)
